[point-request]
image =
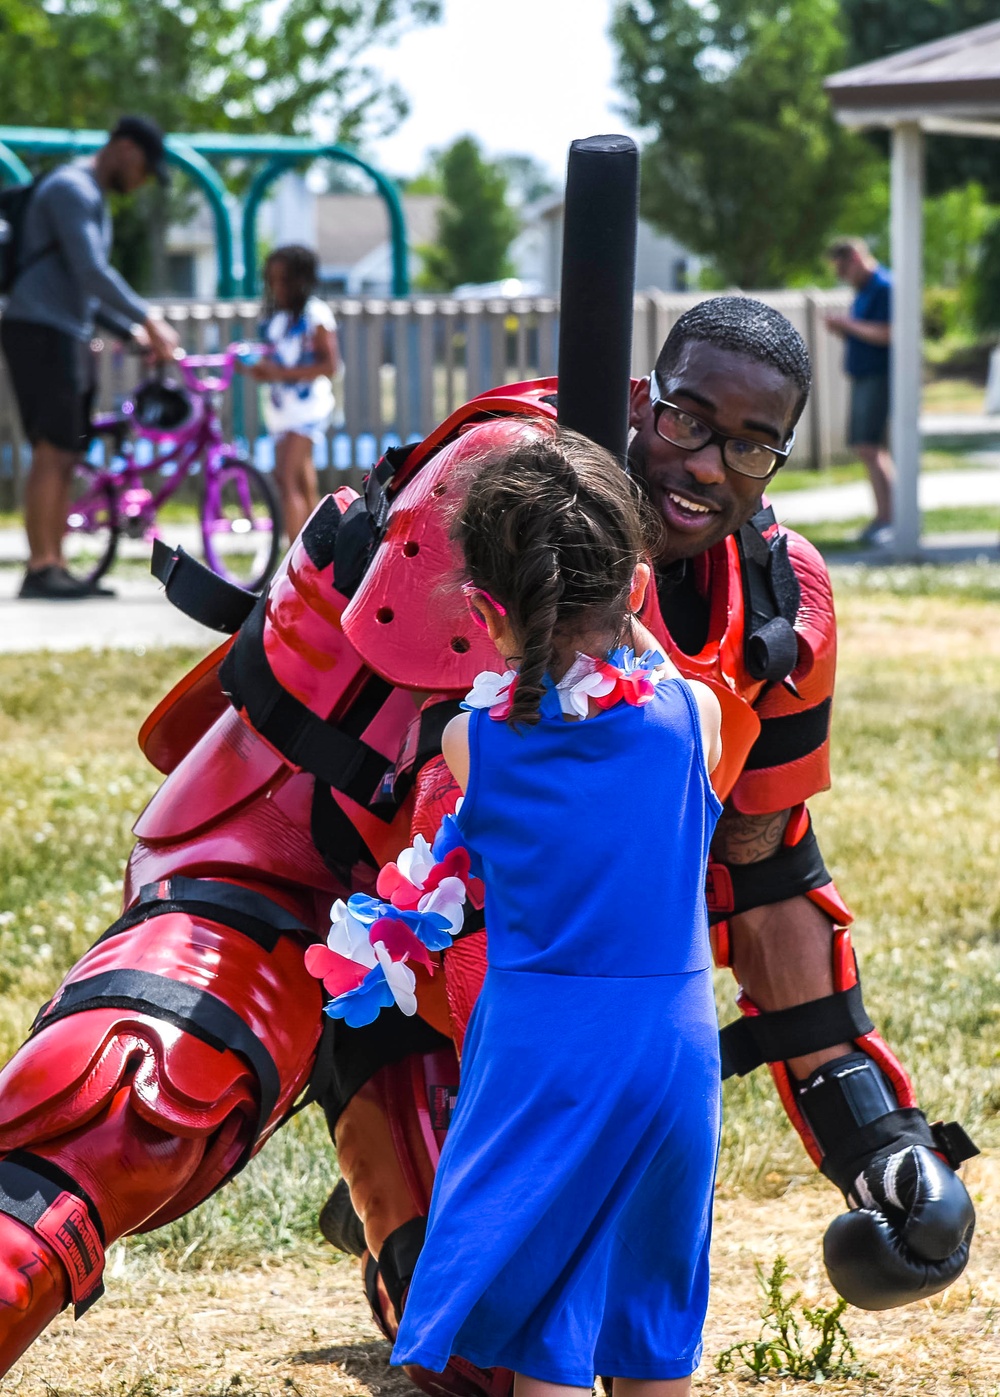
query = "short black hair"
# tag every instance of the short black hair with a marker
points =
(743, 326)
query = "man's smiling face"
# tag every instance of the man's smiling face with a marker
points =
(699, 499)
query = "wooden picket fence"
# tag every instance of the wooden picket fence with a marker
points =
(409, 363)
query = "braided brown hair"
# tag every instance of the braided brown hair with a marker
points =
(553, 529)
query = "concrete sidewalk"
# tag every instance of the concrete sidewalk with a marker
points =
(140, 616)
(937, 490)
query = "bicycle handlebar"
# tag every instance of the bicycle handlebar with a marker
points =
(193, 366)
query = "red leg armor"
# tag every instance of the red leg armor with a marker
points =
(124, 1109)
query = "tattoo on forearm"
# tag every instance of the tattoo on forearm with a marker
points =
(748, 838)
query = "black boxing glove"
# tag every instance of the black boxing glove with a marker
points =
(908, 1236)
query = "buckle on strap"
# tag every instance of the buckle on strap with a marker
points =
(783, 1033)
(61, 1218)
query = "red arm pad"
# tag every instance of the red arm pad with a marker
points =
(790, 760)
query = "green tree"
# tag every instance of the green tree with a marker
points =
(475, 224)
(237, 65)
(746, 164)
(877, 28)
(197, 65)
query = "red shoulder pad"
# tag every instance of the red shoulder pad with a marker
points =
(790, 760)
(406, 620)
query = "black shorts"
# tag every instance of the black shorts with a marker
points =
(869, 410)
(52, 374)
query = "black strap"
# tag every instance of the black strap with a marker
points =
(195, 1010)
(349, 1057)
(771, 599)
(954, 1142)
(806, 1028)
(329, 752)
(843, 1160)
(397, 1258)
(364, 522)
(29, 1186)
(421, 744)
(243, 909)
(793, 735)
(199, 592)
(319, 537)
(790, 872)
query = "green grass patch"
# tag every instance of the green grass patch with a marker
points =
(848, 472)
(911, 831)
(841, 535)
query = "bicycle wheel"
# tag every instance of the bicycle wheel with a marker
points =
(92, 525)
(240, 523)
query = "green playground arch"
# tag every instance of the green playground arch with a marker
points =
(194, 153)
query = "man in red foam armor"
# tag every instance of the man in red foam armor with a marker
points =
(304, 754)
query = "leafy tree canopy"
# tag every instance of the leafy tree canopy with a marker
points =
(236, 65)
(745, 163)
(476, 225)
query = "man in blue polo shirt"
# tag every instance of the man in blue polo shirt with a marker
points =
(867, 332)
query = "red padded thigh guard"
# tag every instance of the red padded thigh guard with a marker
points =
(69, 1073)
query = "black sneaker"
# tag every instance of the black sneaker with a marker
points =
(52, 583)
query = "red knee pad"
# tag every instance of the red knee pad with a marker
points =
(187, 1024)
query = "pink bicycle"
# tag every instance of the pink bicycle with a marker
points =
(239, 513)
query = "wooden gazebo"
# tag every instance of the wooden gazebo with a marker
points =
(951, 87)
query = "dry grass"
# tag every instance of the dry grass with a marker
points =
(913, 833)
(302, 1327)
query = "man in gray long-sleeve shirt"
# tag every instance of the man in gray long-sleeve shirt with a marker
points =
(64, 286)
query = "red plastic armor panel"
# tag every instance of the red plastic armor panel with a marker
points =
(404, 620)
(760, 791)
(185, 714)
(66, 1074)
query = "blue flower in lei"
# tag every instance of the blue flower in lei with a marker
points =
(363, 1005)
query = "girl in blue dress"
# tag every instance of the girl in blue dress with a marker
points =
(569, 1226)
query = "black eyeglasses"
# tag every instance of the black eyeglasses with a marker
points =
(681, 428)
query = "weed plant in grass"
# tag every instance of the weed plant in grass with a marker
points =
(911, 833)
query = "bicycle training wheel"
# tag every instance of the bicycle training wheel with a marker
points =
(240, 524)
(92, 526)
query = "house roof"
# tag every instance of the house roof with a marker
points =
(951, 79)
(349, 226)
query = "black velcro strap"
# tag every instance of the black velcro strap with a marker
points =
(327, 752)
(246, 911)
(397, 1259)
(790, 872)
(58, 1179)
(806, 1028)
(319, 537)
(844, 1161)
(786, 739)
(43, 1197)
(194, 1010)
(199, 592)
(954, 1142)
(349, 1057)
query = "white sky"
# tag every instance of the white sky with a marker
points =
(521, 75)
